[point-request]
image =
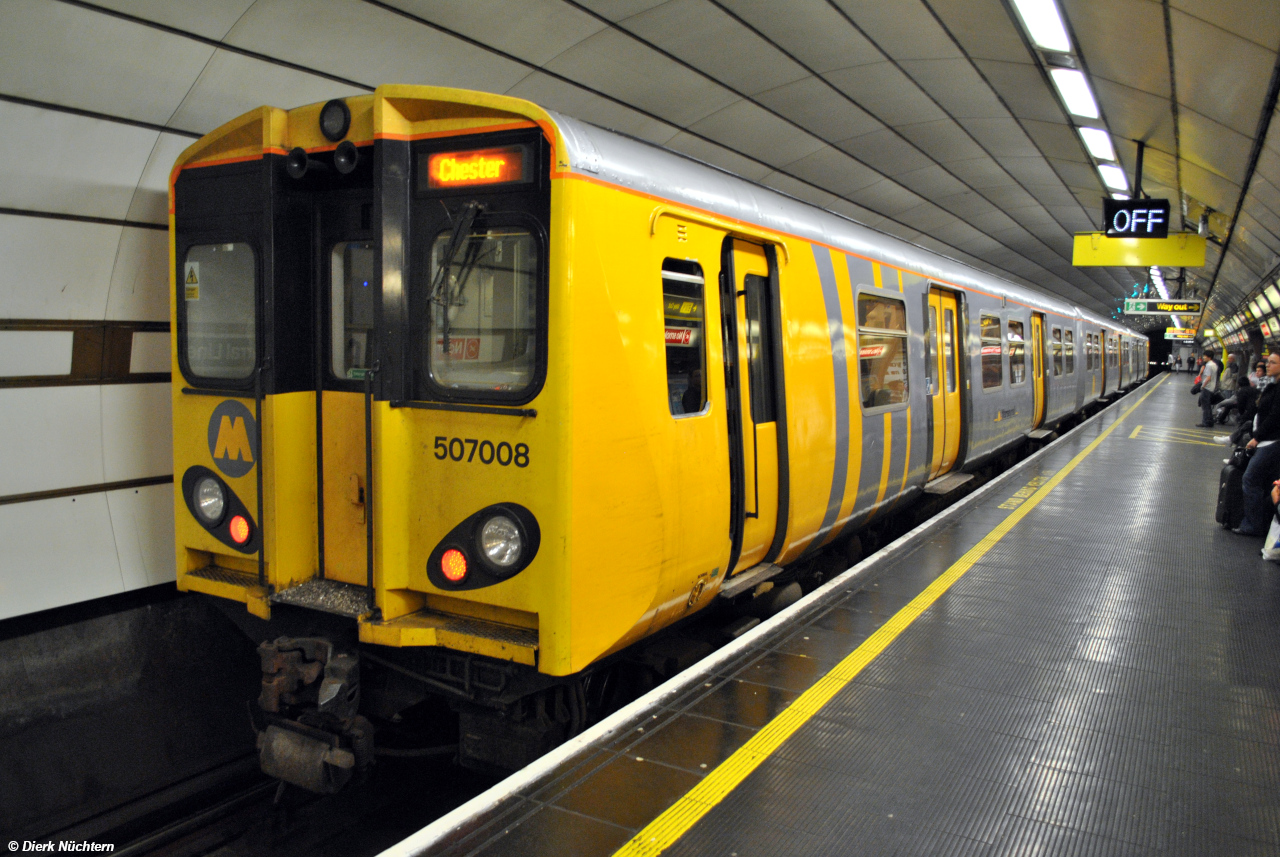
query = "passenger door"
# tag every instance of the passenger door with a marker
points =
(345, 268)
(748, 305)
(942, 380)
(1037, 369)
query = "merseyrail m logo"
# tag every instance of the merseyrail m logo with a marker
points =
(233, 438)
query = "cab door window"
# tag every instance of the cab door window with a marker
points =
(218, 284)
(684, 335)
(351, 296)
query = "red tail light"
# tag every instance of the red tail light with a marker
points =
(239, 530)
(454, 565)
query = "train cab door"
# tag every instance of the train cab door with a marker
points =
(1037, 369)
(942, 379)
(345, 270)
(747, 307)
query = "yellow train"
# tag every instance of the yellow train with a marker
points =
(469, 396)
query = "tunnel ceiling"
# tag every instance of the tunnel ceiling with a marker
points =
(933, 120)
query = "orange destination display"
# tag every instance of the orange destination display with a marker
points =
(476, 167)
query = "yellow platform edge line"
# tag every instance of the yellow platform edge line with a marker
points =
(663, 831)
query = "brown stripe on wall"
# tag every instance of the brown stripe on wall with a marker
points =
(100, 352)
(85, 489)
(83, 218)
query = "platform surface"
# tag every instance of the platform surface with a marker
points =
(1079, 661)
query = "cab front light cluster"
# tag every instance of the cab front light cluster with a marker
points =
(217, 508)
(488, 547)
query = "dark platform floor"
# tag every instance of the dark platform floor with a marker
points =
(1102, 677)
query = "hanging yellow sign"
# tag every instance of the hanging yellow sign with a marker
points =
(1179, 250)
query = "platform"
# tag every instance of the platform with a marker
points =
(1074, 660)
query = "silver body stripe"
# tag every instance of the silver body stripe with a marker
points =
(632, 163)
(840, 368)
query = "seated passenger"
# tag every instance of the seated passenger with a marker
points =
(1246, 401)
(1264, 467)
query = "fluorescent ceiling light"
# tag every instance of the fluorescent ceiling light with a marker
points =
(1273, 295)
(1265, 304)
(1044, 24)
(1113, 176)
(1157, 277)
(1098, 142)
(1074, 89)
(1253, 308)
(1119, 196)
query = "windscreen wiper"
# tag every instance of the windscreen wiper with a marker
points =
(440, 293)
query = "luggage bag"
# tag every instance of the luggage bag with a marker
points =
(1230, 496)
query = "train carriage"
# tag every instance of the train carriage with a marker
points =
(471, 396)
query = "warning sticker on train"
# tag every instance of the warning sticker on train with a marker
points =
(233, 438)
(191, 281)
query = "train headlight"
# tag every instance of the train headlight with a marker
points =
(501, 542)
(209, 500)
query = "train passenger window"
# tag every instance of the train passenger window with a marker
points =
(949, 347)
(219, 286)
(930, 357)
(1057, 350)
(351, 276)
(992, 352)
(1092, 351)
(682, 305)
(759, 353)
(882, 350)
(484, 311)
(1017, 353)
(1069, 350)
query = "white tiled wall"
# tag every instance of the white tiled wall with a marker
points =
(56, 552)
(60, 163)
(35, 352)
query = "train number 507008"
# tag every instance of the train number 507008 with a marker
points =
(484, 451)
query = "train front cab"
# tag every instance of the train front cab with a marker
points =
(360, 307)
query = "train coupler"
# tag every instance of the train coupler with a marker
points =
(313, 736)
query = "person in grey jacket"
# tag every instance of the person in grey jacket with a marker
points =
(1208, 386)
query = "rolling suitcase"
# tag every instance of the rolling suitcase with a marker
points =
(1231, 495)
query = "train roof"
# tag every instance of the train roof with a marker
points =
(653, 170)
